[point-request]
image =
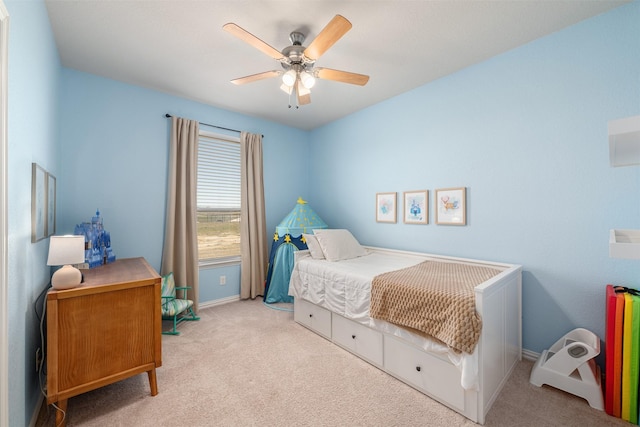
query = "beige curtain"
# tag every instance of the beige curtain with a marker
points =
(253, 229)
(180, 252)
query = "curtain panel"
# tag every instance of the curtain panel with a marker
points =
(253, 229)
(180, 251)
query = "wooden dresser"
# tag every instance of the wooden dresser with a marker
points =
(105, 330)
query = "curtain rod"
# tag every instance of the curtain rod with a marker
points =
(207, 124)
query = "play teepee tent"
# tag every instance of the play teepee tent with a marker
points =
(286, 240)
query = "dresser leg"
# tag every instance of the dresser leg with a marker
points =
(153, 383)
(61, 413)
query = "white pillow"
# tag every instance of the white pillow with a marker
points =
(338, 244)
(314, 247)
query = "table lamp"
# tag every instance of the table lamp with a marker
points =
(66, 250)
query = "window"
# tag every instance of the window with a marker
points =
(218, 198)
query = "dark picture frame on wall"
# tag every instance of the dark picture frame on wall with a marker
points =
(38, 203)
(51, 205)
(43, 203)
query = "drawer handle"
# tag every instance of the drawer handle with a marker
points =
(418, 368)
(353, 336)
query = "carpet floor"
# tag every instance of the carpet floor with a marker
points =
(245, 364)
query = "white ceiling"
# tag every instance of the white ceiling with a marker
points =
(178, 46)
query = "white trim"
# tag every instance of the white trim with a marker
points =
(220, 301)
(4, 210)
(204, 264)
(213, 135)
(530, 355)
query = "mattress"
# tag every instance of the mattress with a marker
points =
(344, 288)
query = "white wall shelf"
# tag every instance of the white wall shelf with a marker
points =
(624, 150)
(624, 244)
(624, 141)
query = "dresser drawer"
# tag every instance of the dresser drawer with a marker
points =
(358, 339)
(313, 317)
(426, 372)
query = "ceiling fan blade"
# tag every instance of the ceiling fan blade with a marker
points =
(304, 94)
(304, 99)
(256, 77)
(342, 76)
(249, 38)
(330, 34)
(286, 89)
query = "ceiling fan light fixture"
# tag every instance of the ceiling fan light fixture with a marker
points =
(289, 78)
(298, 73)
(307, 79)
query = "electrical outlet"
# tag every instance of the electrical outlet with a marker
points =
(223, 280)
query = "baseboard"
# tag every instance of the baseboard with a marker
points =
(220, 301)
(530, 355)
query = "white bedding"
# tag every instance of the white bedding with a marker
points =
(344, 288)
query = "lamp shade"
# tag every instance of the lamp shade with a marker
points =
(289, 78)
(307, 79)
(65, 250)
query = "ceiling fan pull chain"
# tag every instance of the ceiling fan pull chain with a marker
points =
(297, 96)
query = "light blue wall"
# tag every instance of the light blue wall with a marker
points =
(115, 147)
(526, 133)
(107, 144)
(213, 291)
(34, 69)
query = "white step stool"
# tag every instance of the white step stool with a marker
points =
(569, 366)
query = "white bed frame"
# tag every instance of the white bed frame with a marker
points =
(498, 302)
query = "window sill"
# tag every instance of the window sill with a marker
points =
(218, 262)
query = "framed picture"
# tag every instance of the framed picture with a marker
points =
(386, 207)
(38, 203)
(451, 205)
(416, 207)
(51, 205)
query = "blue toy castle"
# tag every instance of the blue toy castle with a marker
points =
(97, 242)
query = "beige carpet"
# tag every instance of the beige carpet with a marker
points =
(245, 364)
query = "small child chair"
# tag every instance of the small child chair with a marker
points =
(173, 308)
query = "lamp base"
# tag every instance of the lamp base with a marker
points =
(66, 277)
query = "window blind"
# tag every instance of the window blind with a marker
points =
(218, 173)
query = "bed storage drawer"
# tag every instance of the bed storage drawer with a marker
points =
(313, 317)
(424, 371)
(358, 339)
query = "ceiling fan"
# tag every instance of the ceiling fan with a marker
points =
(298, 62)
